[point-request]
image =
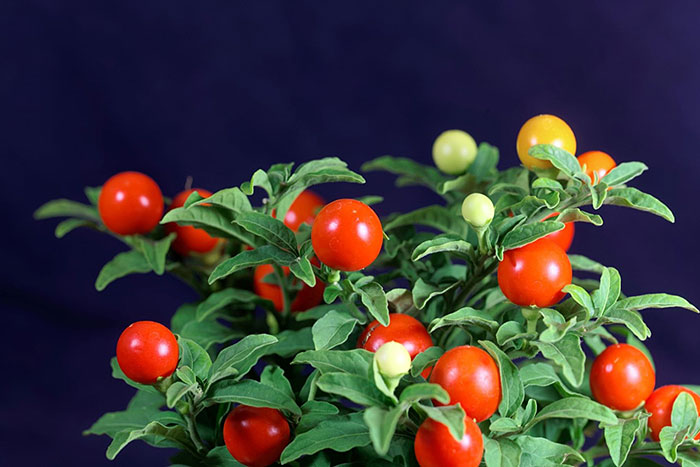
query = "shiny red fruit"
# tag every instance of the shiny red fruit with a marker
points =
(347, 235)
(306, 298)
(563, 237)
(534, 274)
(303, 210)
(256, 436)
(622, 377)
(147, 351)
(660, 406)
(436, 447)
(189, 238)
(470, 376)
(404, 329)
(130, 203)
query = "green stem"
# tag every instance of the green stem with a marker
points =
(480, 272)
(190, 418)
(286, 299)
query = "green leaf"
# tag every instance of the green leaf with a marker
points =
(581, 263)
(215, 221)
(209, 332)
(421, 391)
(382, 425)
(557, 325)
(620, 437)
(512, 392)
(630, 318)
(129, 262)
(223, 298)
(485, 162)
(314, 412)
(259, 179)
(194, 356)
(576, 407)
(543, 375)
(440, 244)
(240, 357)
(655, 300)
(155, 251)
(272, 230)
(580, 296)
(177, 391)
(358, 389)
(452, 416)
(633, 198)
(92, 193)
(68, 225)
(301, 268)
(576, 215)
(421, 174)
(357, 361)
(332, 329)
(510, 331)
(117, 373)
(220, 457)
(266, 254)
(423, 292)
(437, 217)
(229, 198)
(547, 183)
(273, 376)
(528, 233)
(502, 453)
(374, 299)
(173, 435)
(338, 434)
(291, 342)
(684, 421)
(623, 173)
(67, 208)
(251, 393)
(466, 316)
(562, 160)
(609, 290)
(568, 354)
(425, 359)
(134, 418)
(541, 452)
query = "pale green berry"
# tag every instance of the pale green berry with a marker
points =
(454, 151)
(393, 359)
(477, 210)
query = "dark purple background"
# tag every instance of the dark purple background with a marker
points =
(217, 89)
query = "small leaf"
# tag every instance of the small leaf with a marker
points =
(240, 357)
(655, 300)
(576, 215)
(68, 225)
(512, 392)
(272, 230)
(332, 329)
(358, 389)
(421, 391)
(502, 453)
(382, 425)
(374, 299)
(176, 436)
(129, 262)
(155, 251)
(543, 375)
(576, 407)
(425, 359)
(177, 391)
(301, 268)
(423, 292)
(568, 354)
(561, 159)
(229, 198)
(541, 452)
(580, 296)
(609, 290)
(440, 244)
(452, 416)
(623, 173)
(437, 217)
(215, 221)
(266, 254)
(619, 439)
(251, 393)
(557, 326)
(357, 361)
(67, 208)
(338, 434)
(630, 318)
(466, 316)
(421, 174)
(528, 233)
(633, 198)
(292, 342)
(223, 298)
(581, 263)
(485, 162)
(194, 356)
(259, 179)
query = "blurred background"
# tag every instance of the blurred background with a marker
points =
(216, 89)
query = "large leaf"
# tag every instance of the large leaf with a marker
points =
(437, 217)
(223, 298)
(502, 453)
(382, 425)
(252, 393)
(623, 173)
(440, 244)
(568, 354)
(374, 299)
(173, 435)
(619, 439)
(272, 230)
(339, 434)
(266, 254)
(528, 233)
(358, 389)
(240, 357)
(512, 392)
(633, 198)
(655, 300)
(129, 262)
(67, 208)
(215, 221)
(561, 159)
(332, 329)
(576, 407)
(357, 361)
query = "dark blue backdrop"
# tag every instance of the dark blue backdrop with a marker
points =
(216, 89)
